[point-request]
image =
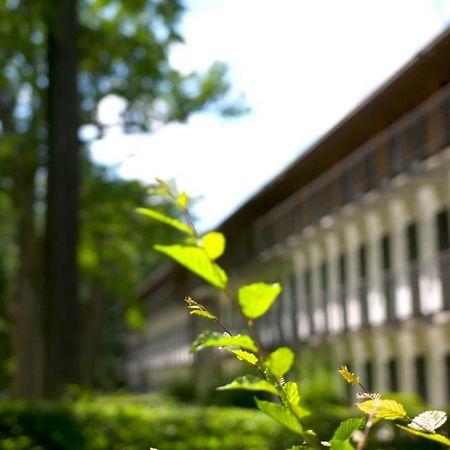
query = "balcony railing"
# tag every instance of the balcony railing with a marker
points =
(399, 149)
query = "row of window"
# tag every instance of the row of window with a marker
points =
(400, 149)
(281, 324)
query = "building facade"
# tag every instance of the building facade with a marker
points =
(358, 232)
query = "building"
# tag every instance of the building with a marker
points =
(358, 232)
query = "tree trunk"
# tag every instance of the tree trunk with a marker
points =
(61, 275)
(93, 323)
(28, 342)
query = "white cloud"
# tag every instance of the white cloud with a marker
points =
(301, 64)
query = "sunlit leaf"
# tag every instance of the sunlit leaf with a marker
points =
(243, 355)
(337, 444)
(163, 218)
(213, 244)
(430, 436)
(280, 361)
(348, 376)
(215, 339)
(255, 299)
(182, 200)
(347, 427)
(198, 310)
(196, 260)
(281, 414)
(428, 421)
(290, 392)
(383, 409)
(249, 383)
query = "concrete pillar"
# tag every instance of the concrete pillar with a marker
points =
(436, 376)
(398, 220)
(379, 357)
(406, 345)
(335, 310)
(319, 317)
(303, 323)
(377, 306)
(352, 306)
(429, 282)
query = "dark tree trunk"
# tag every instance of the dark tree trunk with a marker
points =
(61, 278)
(28, 341)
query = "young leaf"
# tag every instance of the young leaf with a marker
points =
(280, 413)
(348, 376)
(196, 260)
(290, 392)
(345, 430)
(336, 444)
(215, 339)
(255, 299)
(182, 200)
(242, 355)
(198, 310)
(383, 409)
(280, 361)
(249, 383)
(428, 421)
(430, 436)
(213, 244)
(163, 218)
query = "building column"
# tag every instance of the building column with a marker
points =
(335, 310)
(406, 345)
(380, 357)
(377, 304)
(319, 317)
(398, 220)
(436, 376)
(352, 313)
(429, 281)
(287, 309)
(303, 328)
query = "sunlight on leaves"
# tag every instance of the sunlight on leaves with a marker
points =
(428, 421)
(280, 413)
(242, 355)
(163, 218)
(249, 383)
(196, 260)
(280, 361)
(214, 244)
(255, 299)
(430, 436)
(215, 339)
(348, 376)
(383, 409)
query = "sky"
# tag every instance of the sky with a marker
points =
(300, 65)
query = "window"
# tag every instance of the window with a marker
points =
(419, 139)
(443, 245)
(369, 171)
(368, 369)
(394, 155)
(447, 369)
(411, 233)
(342, 290)
(387, 277)
(324, 286)
(446, 111)
(421, 376)
(309, 305)
(294, 304)
(362, 259)
(442, 230)
(393, 375)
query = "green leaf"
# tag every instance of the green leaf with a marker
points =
(215, 339)
(182, 200)
(196, 260)
(299, 411)
(345, 430)
(337, 444)
(249, 383)
(213, 244)
(383, 409)
(280, 361)
(198, 310)
(242, 355)
(281, 414)
(255, 299)
(290, 392)
(348, 376)
(428, 421)
(163, 218)
(430, 436)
